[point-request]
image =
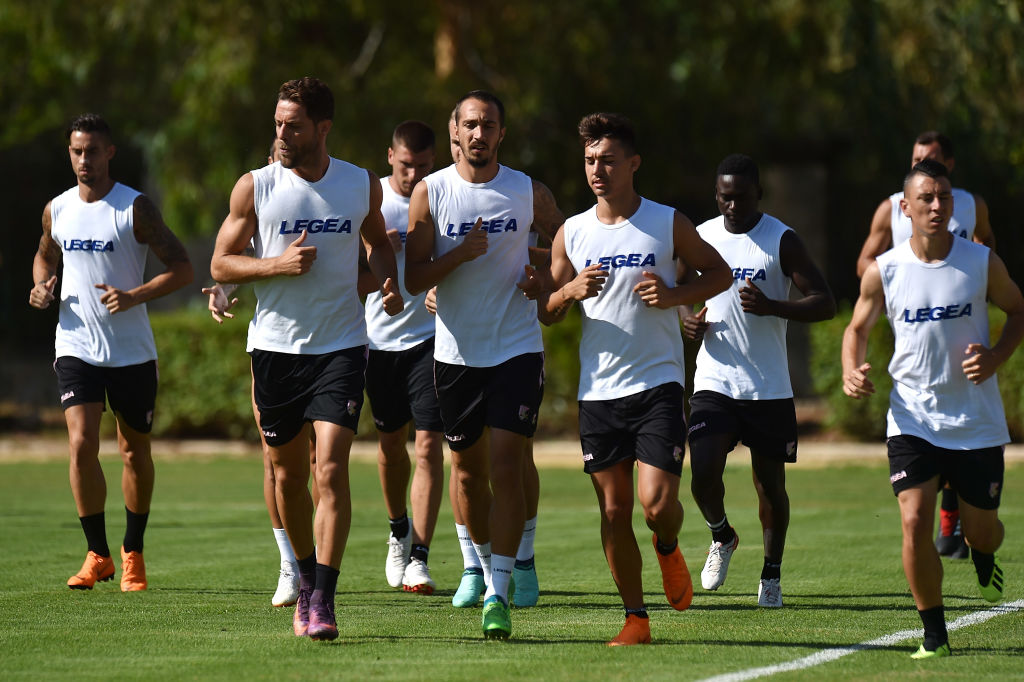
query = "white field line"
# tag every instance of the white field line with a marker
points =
(835, 653)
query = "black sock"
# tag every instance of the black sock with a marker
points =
(307, 572)
(771, 570)
(134, 529)
(934, 620)
(95, 527)
(722, 531)
(983, 565)
(524, 565)
(419, 552)
(400, 526)
(663, 549)
(640, 613)
(326, 583)
(949, 501)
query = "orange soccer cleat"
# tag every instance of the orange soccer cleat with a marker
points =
(95, 569)
(637, 630)
(133, 571)
(675, 577)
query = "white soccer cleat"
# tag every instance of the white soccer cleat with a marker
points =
(287, 585)
(417, 578)
(398, 557)
(769, 593)
(717, 565)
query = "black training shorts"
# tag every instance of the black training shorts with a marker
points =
(400, 386)
(765, 426)
(130, 390)
(976, 475)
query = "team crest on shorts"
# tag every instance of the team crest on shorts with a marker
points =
(352, 408)
(149, 417)
(790, 448)
(526, 414)
(677, 453)
(993, 490)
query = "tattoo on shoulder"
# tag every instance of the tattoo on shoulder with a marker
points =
(150, 229)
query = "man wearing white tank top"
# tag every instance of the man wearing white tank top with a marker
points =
(889, 227)
(741, 388)
(946, 421)
(308, 338)
(619, 260)
(468, 235)
(102, 230)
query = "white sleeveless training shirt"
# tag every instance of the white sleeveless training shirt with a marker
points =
(414, 324)
(99, 247)
(936, 310)
(743, 356)
(626, 346)
(961, 224)
(319, 311)
(483, 319)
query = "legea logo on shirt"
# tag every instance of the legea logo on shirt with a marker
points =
(94, 245)
(492, 226)
(315, 225)
(942, 312)
(753, 274)
(624, 260)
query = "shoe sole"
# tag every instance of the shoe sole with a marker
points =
(293, 602)
(425, 590)
(496, 633)
(326, 635)
(89, 587)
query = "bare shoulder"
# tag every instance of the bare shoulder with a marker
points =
(47, 218)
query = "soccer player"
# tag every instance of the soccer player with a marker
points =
(741, 388)
(468, 235)
(946, 419)
(400, 381)
(102, 230)
(287, 592)
(618, 259)
(306, 217)
(890, 227)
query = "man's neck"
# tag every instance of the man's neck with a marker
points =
(932, 248)
(477, 174)
(95, 191)
(315, 170)
(617, 209)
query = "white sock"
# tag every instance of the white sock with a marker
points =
(483, 553)
(501, 573)
(285, 547)
(525, 550)
(469, 557)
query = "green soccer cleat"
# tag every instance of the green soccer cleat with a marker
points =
(993, 591)
(496, 621)
(923, 653)
(470, 588)
(526, 590)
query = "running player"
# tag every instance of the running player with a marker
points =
(102, 230)
(400, 381)
(741, 389)
(488, 354)
(618, 259)
(889, 227)
(307, 338)
(287, 592)
(946, 419)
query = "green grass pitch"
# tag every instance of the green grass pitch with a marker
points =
(212, 567)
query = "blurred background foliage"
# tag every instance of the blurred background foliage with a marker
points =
(189, 88)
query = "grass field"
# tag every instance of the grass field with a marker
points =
(212, 567)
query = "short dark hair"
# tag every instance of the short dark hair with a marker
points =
(483, 96)
(416, 136)
(930, 137)
(311, 93)
(929, 167)
(740, 164)
(89, 123)
(595, 127)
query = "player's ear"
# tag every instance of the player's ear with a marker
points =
(634, 162)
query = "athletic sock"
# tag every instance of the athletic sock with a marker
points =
(501, 574)
(934, 620)
(983, 565)
(284, 546)
(722, 531)
(525, 550)
(483, 552)
(949, 512)
(419, 552)
(307, 572)
(524, 565)
(640, 613)
(400, 526)
(326, 584)
(665, 549)
(470, 559)
(135, 528)
(771, 570)
(95, 527)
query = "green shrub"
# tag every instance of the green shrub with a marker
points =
(864, 419)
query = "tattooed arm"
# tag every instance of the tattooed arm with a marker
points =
(44, 266)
